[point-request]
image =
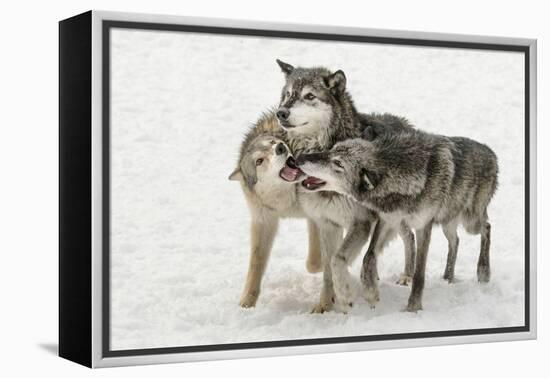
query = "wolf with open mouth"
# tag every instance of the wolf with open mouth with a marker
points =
(316, 111)
(263, 174)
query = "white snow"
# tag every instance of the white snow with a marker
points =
(180, 229)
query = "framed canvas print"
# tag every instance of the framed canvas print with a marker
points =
(233, 189)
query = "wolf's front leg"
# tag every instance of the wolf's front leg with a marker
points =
(407, 236)
(369, 271)
(314, 263)
(355, 239)
(369, 277)
(262, 233)
(331, 239)
(449, 230)
(423, 237)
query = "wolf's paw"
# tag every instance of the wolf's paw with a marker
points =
(248, 300)
(322, 307)
(449, 277)
(414, 305)
(314, 265)
(372, 296)
(483, 273)
(404, 280)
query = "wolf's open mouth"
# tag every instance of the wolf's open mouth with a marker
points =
(290, 171)
(287, 125)
(312, 183)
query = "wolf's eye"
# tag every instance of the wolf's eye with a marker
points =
(309, 96)
(338, 163)
(259, 161)
(287, 94)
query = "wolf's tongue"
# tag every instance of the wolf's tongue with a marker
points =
(313, 181)
(290, 174)
(290, 171)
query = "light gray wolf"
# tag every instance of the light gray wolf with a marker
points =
(317, 111)
(263, 157)
(417, 178)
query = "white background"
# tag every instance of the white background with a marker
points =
(28, 204)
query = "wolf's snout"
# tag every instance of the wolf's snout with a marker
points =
(280, 149)
(304, 158)
(283, 114)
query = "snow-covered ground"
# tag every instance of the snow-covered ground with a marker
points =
(180, 229)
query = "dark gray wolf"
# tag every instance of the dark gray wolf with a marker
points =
(262, 159)
(418, 178)
(317, 111)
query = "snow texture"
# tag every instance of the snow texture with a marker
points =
(180, 230)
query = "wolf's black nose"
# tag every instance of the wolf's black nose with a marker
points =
(280, 149)
(283, 114)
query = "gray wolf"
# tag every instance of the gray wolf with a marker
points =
(263, 158)
(317, 111)
(417, 178)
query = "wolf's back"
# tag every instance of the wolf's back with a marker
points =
(390, 122)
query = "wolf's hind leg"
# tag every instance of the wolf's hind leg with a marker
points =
(262, 233)
(407, 236)
(483, 263)
(449, 230)
(331, 239)
(355, 239)
(314, 262)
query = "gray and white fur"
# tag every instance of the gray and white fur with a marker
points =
(263, 153)
(415, 178)
(317, 112)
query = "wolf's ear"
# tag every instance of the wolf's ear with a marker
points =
(369, 133)
(368, 180)
(248, 171)
(373, 131)
(336, 82)
(285, 67)
(236, 175)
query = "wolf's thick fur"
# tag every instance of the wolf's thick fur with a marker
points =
(416, 178)
(269, 199)
(317, 112)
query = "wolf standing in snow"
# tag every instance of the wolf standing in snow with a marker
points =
(317, 111)
(263, 155)
(417, 178)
